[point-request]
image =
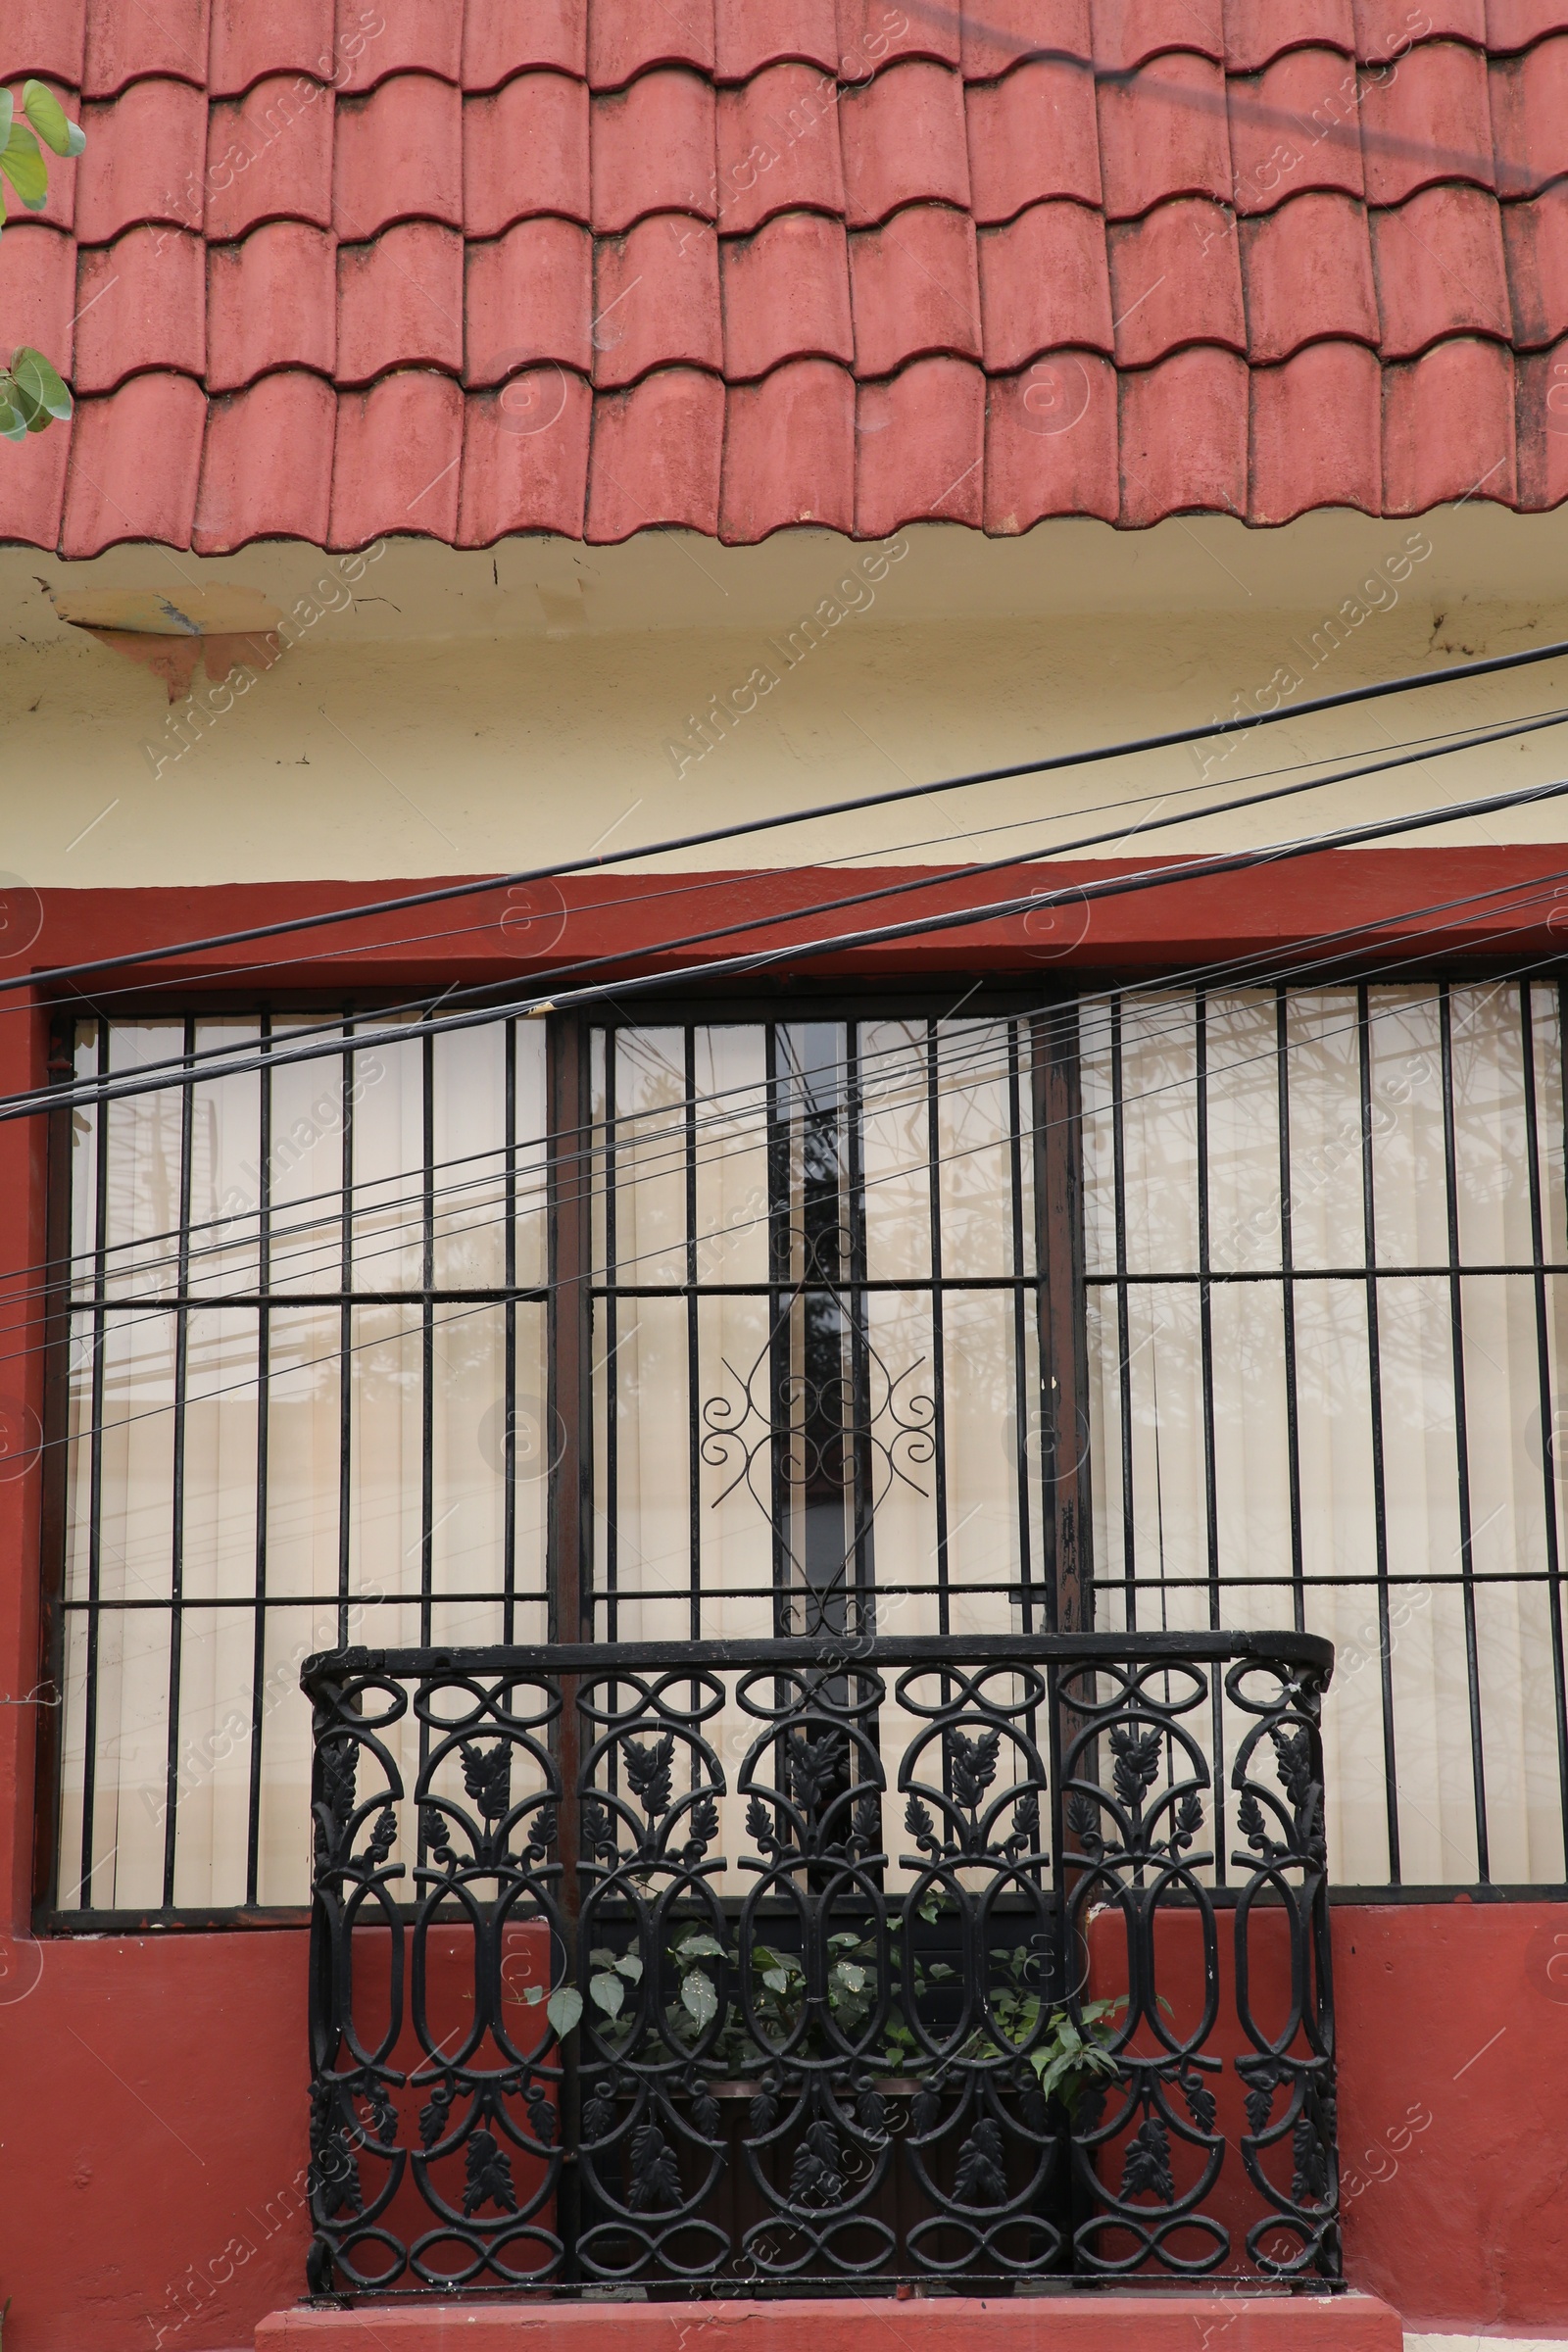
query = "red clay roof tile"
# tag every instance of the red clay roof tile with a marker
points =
(529, 297)
(903, 141)
(920, 447)
(1163, 132)
(1543, 426)
(1000, 33)
(397, 36)
(1296, 127)
(1515, 24)
(145, 159)
(748, 35)
(786, 295)
(1536, 237)
(499, 40)
(399, 156)
(1175, 277)
(39, 290)
(266, 466)
(460, 161)
(1032, 135)
(524, 151)
(1448, 427)
(272, 302)
(33, 493)
(115, 492)
(525, 457)
(652, 149)
(1384, 28)
(1440, 270)
(125, 43)
(1043, 284)
(46, 38)
(1127, 32)
(1183, 426)
(400, 302)
(627, 37)
(657, 451)
(656, 300)
(1315, 438)
(1254, 35)
(1051, 443)
(246, 42)
(778, 149)
(916, 288)
(1307, 272)
(141, 303)
(1427, 119)
(270, 157)
(1530, 118)
(789, 451)
(398, 455)
(871, 35)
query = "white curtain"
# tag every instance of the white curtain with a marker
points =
(347, 1392)
(1414, 1535)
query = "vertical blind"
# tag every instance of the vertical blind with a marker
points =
(1325, 1244)
(1327, 1278)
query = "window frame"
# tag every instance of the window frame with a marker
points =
(1064, 1569)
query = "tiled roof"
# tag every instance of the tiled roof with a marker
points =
(474, 266)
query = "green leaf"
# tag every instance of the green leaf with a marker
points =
(609, 1991)
(8, 108)
(24, 165)
(775, 1979)
(39, 386)
(601, 1957)
(50, 120)
(698, 1946)
(533, 1995)
(630, 1966)
(698, 1996)
(13, 418)
(564, 2008)
(850, 1975)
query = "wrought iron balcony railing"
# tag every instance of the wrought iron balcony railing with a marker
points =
(768, 1967)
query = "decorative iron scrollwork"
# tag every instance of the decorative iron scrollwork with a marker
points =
(753, 2043)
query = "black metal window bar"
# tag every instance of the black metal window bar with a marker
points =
(930, 1985)
(1326, 1298)
(824, 1318)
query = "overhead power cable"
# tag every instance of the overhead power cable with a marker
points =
(183, 1067)
(71, 1096)
(1541, 889)
(599, 860)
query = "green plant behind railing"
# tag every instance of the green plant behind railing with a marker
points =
(33, 394)
(1068, 2051)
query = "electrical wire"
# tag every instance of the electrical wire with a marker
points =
(416, 1302)
(69, 1097)
(1347, 698)
(527, 1147)
(188, 1065)
(414, 1299)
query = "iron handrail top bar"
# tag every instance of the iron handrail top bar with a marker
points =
(1210, 1647)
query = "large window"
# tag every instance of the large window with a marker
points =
(1152, 1308)
(690, 1329)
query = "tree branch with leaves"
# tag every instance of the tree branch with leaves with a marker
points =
(33, 393)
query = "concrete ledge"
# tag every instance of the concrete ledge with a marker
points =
(1070, 2322)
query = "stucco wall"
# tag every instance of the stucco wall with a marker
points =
(440, 712)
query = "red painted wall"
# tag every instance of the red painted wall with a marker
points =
(153, 2117)
(152, 2090)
